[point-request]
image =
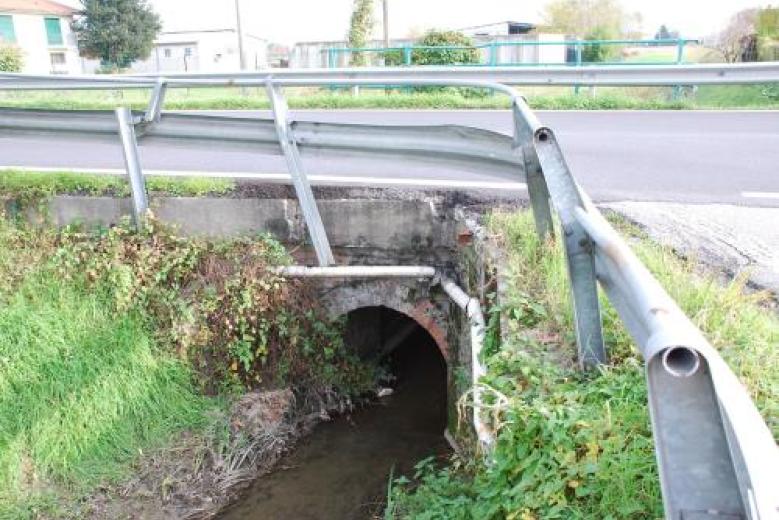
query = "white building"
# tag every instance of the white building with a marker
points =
(41, 29)
(214, 50)
(507, 28)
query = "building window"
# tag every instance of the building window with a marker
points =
(167, 53)
(7, 29)
(188, 51)
(58, 63)
(53, 31)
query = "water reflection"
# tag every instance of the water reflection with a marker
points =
(340, 471)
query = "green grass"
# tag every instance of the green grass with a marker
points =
(30, 185)
(573, 445)
(113, 343)
(227, 99)
(738, 96)
(605, 98)
(83, 391)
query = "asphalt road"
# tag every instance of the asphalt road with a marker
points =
(724, 156)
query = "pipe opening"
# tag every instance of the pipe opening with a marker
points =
(543, 136)
(681, 361)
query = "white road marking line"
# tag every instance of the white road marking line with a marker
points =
(284, 177)
(760, 194)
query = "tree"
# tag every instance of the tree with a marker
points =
(767, 29)
(585, 17)
(737, 36)
(11, 59)
(360, 28)
(117, 32)
(663, 33)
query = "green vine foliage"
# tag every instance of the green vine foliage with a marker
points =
(360, 28)
(468, 55)
(219, 304)
(11, 59)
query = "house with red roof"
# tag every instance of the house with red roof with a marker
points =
(41, 29)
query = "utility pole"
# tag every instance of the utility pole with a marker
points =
(241, 55)
(386, 23)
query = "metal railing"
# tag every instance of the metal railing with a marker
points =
(607, 75)
(716, 456)
(575, 52)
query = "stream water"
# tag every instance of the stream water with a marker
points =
(340, 471)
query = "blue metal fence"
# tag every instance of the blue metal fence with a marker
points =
(575, 52)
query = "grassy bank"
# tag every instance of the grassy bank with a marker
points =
(552, 98)
(572, 445)
(28, 186)
(114, 344)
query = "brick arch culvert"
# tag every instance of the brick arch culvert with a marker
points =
(403, 298)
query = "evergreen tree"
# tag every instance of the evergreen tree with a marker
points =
(117, 32)
(663, 33)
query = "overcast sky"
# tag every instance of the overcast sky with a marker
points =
(288, 21)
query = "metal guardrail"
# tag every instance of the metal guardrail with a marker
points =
(716, 456)
(650, 75)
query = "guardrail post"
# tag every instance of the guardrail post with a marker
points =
(154, 110)
(289, 147)
(407, 55)
(493, 54)
(132, 165)
(578, 250)
(537, 189)
(677, 92)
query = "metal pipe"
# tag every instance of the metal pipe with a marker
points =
(357, 271)
(681, 361)
(472, 309)
(239, 31)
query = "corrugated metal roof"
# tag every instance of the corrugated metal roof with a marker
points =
(35, 7)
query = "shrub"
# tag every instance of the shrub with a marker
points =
(444, 56)
(11, 59)
(596, 52)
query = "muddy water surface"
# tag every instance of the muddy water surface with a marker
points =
(340, 471)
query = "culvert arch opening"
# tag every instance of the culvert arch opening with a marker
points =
(410, 356)
(341, 470)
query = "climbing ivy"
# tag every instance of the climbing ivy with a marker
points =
(360, 28)
(219, 304)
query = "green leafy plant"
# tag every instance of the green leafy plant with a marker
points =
(220, 305)
(572, 445)
(464, 54)
(11, 58)
(360, 27)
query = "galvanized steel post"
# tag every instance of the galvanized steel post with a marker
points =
(578, 250)
(316, 228)
(154, 110)
(538, 192)
(132, 164)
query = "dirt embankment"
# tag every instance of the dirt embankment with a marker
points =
(199, 476)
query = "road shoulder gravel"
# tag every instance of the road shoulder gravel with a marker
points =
(734, 238)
